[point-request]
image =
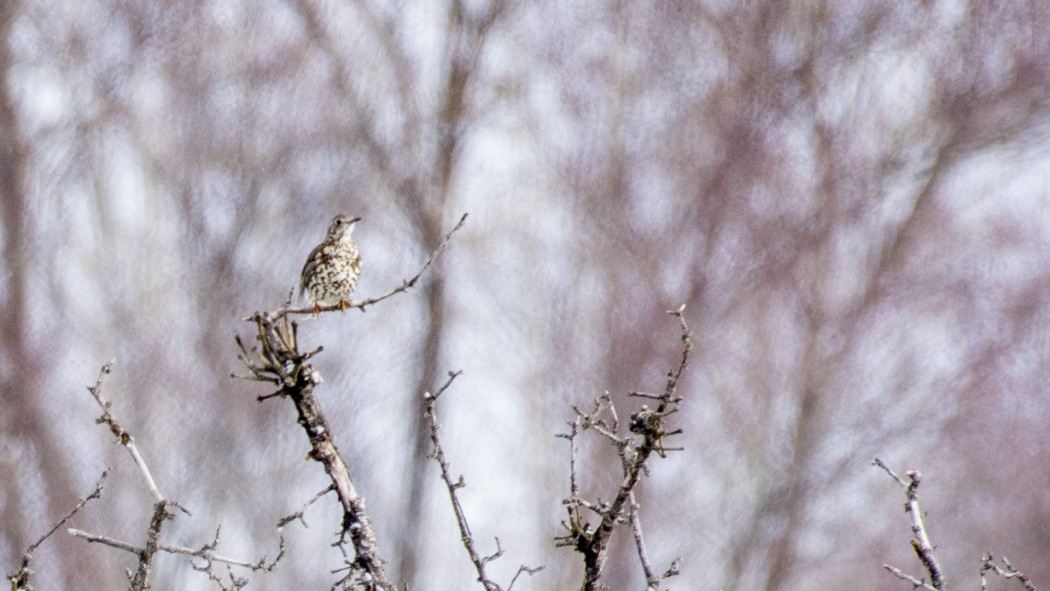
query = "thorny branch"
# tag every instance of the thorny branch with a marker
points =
(467, 538)
(20, 578)
(593, 541)
(279, 361)
(140, 579)
(276, 359)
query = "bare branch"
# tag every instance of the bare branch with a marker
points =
(651, 578)
(523, 570)
(205, 553)
(916, 583)
(593, 543)
(140, 579)
(687, 347)
(431, 399)
(20, 578)
(278, 360)
(988, 564)
(893, 475)
(123, 437)
(107, 541)
(466, 536)
(140, 582)
(921, 541)
(639, 542)
(298, 515)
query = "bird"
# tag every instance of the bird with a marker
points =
(330, 273)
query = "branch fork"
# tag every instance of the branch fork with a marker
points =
(592, 541)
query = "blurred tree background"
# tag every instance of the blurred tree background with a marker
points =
(850, 197)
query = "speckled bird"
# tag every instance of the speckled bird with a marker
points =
(331, 270)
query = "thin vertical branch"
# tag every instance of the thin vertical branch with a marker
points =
(466, 536)
(921, 540)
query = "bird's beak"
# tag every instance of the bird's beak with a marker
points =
(355, 220)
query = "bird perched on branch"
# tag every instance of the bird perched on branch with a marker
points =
(331, 270)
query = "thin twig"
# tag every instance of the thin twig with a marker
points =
(523, 570)
(298, 515)
(916, 583)
(893, 475)
(361, 305)
(466, 536)
(202, 553)
(639, 543)
(123, 437)
(20, 578)
(438, 453)
(96, 493)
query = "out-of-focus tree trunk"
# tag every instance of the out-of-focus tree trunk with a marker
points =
(17, 404)
(26, 408)
(427, 202)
